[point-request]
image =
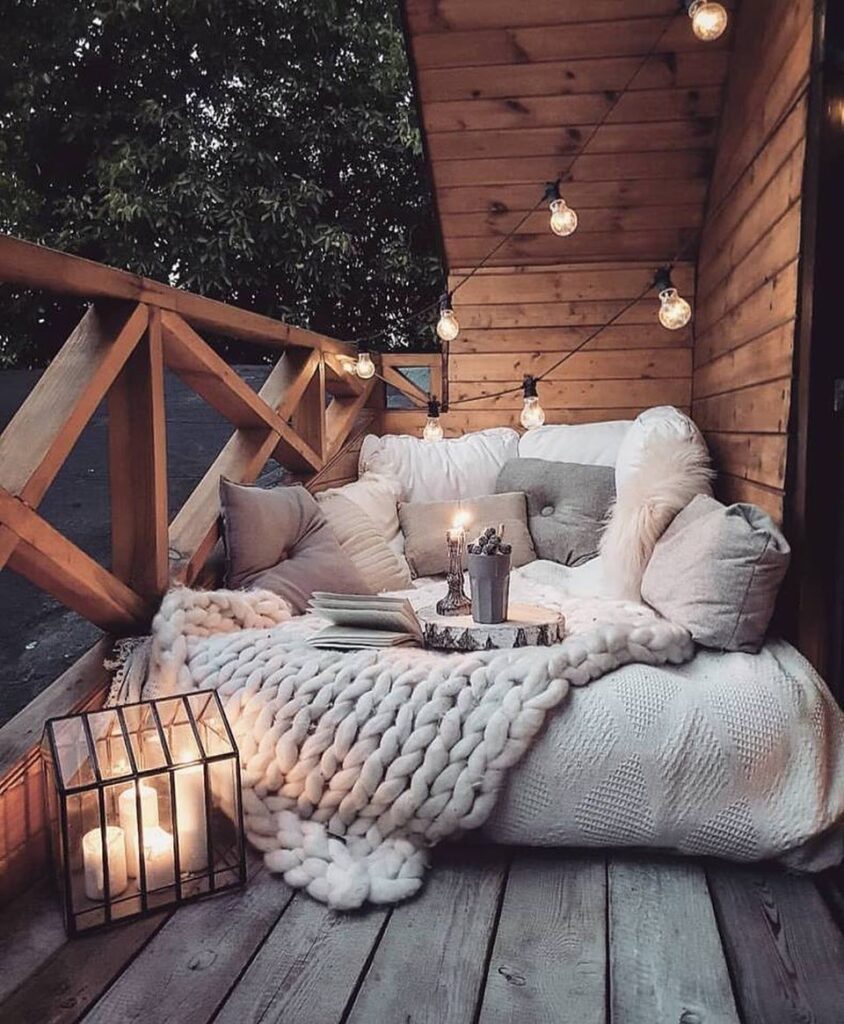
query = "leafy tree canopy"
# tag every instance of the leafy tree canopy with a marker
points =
(264, 152)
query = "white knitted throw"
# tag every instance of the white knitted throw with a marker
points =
(353, 763)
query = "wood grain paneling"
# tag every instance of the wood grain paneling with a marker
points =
(518, 320)
(750, 246)
(511, 94)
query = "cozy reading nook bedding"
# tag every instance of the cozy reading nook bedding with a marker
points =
(356, 763)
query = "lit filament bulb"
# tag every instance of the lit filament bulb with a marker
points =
(447, 326)
(709, 19)
(674, 311)
(433, 431)
(364, 367)
(563, 218)
(533, 415)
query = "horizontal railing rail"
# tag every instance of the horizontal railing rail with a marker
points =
(132, 331)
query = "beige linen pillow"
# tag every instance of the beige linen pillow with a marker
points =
(378, 494)
(359, 538)
(279, 540)
(717, 570)
(424, 524)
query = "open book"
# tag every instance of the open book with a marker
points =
(364, 621)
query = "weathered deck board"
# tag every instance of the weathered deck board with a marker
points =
(497, 936)
(550, 950)
(184, 974)
(666, 959)
(430, 964)
(307, 968)
(785, 949)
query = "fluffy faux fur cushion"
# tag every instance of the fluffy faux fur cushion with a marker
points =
(670, 473)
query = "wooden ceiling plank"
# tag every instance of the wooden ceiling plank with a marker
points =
(425, 16)
(522, 45)
(611, 218)
(695, 69)
(585, 109)
(583, 195)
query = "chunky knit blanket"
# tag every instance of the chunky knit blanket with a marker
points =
(354, 763)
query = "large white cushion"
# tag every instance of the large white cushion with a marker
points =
(447, 470)
(661, 421)
(589, 444)
(378, 494)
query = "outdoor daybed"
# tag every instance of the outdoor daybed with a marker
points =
(736, 753)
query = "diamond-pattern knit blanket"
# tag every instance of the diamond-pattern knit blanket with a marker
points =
(354, 763)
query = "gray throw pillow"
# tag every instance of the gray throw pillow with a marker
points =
(717, 570)
(567, 505)
(279, 540)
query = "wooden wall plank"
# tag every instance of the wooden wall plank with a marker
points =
(749, 255)
(603, 366)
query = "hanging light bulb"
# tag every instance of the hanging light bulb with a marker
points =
(674, 311)
(364, 367)
(447, 326)
(563, 218)
(709, 19)
(433, 431)
(533, 415)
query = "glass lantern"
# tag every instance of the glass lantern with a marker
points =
(145, 808)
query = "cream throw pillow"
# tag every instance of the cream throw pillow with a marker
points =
(425, 523)
(378, 494)
(365, 546)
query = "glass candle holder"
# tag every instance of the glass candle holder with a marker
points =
(455, 601)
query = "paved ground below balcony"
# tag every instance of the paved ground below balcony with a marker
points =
(39, 638)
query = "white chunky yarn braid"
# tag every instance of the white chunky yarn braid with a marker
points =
(354, 762)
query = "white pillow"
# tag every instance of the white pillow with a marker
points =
(447, 470)
(661, 421)
(378, 494)
(589, 444)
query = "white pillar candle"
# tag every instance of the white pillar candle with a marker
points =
(158, 858)
(190, 818)
(92, 860)
(127, 809)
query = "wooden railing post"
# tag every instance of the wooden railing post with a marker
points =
(137, 467)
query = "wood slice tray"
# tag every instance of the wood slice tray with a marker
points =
(526, 626)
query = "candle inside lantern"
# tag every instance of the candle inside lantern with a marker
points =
(190, 818)
(92, 859)
(159, 862)
(127, 809)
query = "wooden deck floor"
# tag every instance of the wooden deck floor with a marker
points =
(496, 936)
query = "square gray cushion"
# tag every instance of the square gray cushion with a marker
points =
(567, 505)
(717, 570)
(425, 523)
(279, 540)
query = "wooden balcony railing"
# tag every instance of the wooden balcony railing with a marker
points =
(135, 328)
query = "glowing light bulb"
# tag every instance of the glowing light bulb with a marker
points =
(709, 19)
(447, 326)
(674, 311)
(432, 430)
(364, 367)
(533, 415)
(563, 218)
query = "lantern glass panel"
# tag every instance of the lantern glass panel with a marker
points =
(144, 736)
(73, 755)
(110, 751)
(179, 730)
(212, 727)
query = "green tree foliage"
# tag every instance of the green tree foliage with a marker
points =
(264, 152)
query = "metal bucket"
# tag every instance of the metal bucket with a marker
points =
(489, 579)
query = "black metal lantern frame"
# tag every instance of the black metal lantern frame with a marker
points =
(145, 807)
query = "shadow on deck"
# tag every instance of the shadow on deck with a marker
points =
(497, 935)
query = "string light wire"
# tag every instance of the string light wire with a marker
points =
(429, 308)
